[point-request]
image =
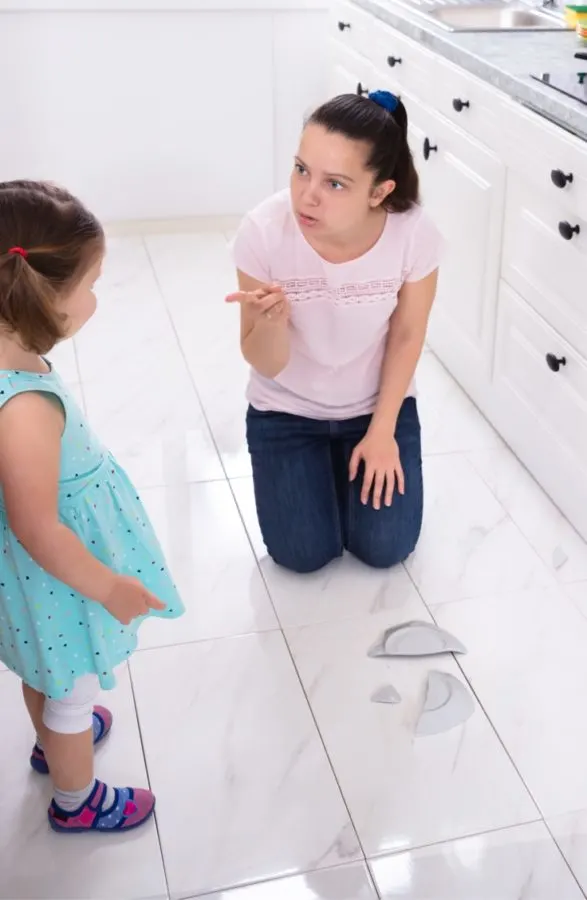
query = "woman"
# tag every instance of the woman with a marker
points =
(337, 278)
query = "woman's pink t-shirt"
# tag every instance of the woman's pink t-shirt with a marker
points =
(339, 312)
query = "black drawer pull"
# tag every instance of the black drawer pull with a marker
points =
(459, 105)
(555, 362)
(429, 148)
(567, 231)
(342, 26)
(362, 91)
(559, 179)
(394, 61)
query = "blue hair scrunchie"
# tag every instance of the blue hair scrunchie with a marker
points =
(385, 99)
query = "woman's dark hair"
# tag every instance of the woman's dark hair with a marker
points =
(48, 241)
(390, 158)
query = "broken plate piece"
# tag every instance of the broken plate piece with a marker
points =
(416, 639)
(447, 704)
(386, 694)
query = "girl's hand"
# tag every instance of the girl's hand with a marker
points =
(380, 455)
(268, 302)
(128, 599)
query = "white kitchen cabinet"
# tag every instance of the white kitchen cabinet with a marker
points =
(463, 186)
(349, 72)
(508, 190)
(540, 402)
(545, 257)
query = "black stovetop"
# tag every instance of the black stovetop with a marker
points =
(572, 83)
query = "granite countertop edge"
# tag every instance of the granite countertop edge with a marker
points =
(498, 59)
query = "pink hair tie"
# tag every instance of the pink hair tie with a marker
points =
(18, 251)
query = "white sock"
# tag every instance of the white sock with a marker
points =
(70, 801)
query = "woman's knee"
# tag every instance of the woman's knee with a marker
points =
(304, 561)
(383, 554)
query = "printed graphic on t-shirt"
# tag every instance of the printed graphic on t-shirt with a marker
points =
(308, 290)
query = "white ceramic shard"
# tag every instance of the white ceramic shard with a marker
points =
(447, 704)
(416, 639)
(386, 694)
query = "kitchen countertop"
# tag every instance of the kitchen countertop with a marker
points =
(108, 6)
(501, 59)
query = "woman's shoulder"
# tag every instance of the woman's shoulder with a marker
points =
(413, 221)
(273, 212)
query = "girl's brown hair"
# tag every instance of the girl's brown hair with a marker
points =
(60, 240)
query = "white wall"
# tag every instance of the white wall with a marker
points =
(158, 114)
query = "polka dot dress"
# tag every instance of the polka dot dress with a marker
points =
(49, 634)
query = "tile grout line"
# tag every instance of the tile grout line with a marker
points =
(542, 818)
(141, 739)
(495, 495)
(183, 355)
(226, 479)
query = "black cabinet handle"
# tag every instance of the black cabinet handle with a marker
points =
(555, 362)
(567, 231)
(429, 148)
(559, 179)
(459, 105)
(394, 61)
(342, 26)
(362, 91)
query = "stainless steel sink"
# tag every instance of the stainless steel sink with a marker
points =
(495, 17)
(489, 15)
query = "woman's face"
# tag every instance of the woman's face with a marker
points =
(332, 189)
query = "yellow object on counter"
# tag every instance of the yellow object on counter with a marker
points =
(575, 15)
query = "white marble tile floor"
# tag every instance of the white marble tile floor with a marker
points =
(277, 778)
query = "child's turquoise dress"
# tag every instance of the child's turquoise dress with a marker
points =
(49, 634)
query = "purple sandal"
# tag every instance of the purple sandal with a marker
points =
(131, 808)
(102, 723)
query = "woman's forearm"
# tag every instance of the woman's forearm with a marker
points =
(266, 347)
(399, 366)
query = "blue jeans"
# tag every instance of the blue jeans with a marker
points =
(308, 511)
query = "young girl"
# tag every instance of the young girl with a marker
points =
(337, 279)
(80, 566)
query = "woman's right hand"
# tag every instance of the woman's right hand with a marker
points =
(268, 302)
(128, 599)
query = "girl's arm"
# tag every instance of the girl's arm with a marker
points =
(407, 333)
(264, 339)
(31, 426)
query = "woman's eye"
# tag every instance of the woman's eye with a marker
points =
(300, 169)
(336, 185)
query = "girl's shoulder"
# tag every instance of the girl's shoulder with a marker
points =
(14, 382)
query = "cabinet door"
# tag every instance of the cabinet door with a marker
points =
(545, 257)
(540, 403)
(349, 72)
(463, 187)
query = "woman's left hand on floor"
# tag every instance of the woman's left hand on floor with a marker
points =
(383, 469)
